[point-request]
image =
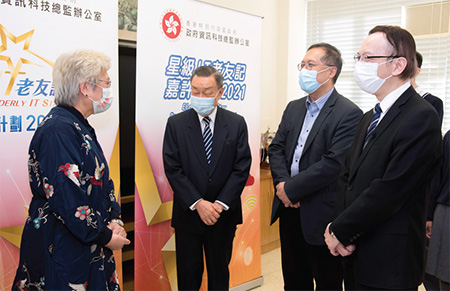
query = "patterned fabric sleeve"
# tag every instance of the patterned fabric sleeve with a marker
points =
(70, 175)
(115, 207)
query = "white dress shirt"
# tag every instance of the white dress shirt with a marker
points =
(212, 117)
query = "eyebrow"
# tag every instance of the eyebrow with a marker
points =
(208, 88)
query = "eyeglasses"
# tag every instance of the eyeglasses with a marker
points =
(108, 83)
(366, 58)
(308, 66)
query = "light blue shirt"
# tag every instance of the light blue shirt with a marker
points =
(312, 111)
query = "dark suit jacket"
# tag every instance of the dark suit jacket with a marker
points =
(382, 194)
(190, 176)
(324, 152)
(437, 104)
(440, 189)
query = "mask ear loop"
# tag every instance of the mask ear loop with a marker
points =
(386, 63)
(324, 71)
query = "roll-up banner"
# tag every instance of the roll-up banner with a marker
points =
(175, 37)
(32, 35)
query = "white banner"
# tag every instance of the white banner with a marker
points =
(174, 38)
(32, 35)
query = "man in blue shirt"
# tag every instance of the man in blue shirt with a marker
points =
(305, 158)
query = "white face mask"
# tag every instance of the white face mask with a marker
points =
(366, 76)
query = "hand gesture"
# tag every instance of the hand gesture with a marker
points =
(335, 246)
(429, 227)
(281, 194)
(117, 242)
(117, 229)
(209, 212)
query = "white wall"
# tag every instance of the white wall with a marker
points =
(282, 48)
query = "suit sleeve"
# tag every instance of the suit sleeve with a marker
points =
(232, 190)
(435, 190)
(327, 169)
(417, 147)
(439, 106)
(439, 180)
(279, 167)
(182, 187)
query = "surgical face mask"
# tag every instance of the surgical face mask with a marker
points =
(366, 76)
(308, 80)
(104, 103)
(203, 105)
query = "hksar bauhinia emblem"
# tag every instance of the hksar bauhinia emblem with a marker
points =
(171, 24)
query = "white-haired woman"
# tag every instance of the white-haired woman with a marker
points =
(74, 220)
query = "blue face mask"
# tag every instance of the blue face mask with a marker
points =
(308, 80)
(203, 105)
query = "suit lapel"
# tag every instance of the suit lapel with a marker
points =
(327, 108)
(219, 135)
(381, 127)
(194, 132)
(297, 127)
(359, 139)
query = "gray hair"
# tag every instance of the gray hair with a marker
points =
(70, 69)
(206, 71)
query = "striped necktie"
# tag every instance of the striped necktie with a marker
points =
(207, 138)
(373, 124)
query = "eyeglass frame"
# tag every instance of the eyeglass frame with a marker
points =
(299, 66)
(108, 83)
(357, 57)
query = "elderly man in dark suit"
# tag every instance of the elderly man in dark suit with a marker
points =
(207, 162)
(381, 201)
(305, 158)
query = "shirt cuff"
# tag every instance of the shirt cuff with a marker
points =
(223, 204)
(105, 236)
(192, 207)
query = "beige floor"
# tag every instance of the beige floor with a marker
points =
(271, 271)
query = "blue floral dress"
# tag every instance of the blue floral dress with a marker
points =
(64, 238)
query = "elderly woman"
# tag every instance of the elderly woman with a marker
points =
(74, 220)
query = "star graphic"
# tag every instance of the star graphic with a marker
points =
(15, 70)
(154, 209)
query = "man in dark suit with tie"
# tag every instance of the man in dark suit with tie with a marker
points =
(207, 162)
(381, 201)
(305, 159)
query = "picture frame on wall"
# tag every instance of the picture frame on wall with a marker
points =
(127, 20)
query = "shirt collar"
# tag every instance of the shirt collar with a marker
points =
(78, 116)
(390, 99)
(421, 91)
(321, 101)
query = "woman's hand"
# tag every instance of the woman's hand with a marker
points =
(117, 242)
(117, 229)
